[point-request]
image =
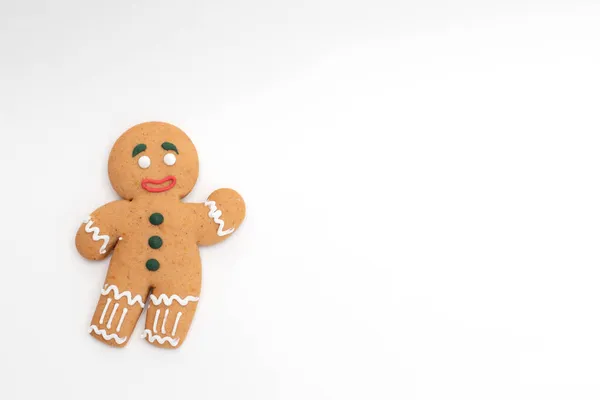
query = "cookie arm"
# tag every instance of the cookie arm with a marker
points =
(99, 233)
(218, 217)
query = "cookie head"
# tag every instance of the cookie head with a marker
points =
(153, 158)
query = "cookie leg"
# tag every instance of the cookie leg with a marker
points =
(116, 314)
(169, 318)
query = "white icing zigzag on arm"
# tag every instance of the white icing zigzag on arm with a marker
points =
(95, 231)
(151, 338)
(168, 300)
(131, 300)
(215, 214)
(102, 332)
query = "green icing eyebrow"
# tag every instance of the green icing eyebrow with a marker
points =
(138, 149)
(169, 146)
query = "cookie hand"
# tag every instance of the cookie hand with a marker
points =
(219, 216)
(98, 234)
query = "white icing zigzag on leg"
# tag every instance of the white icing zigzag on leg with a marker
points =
(215, 214)
(95, 231)
(131, 300)
(168, 300)
(151, 338)
(112, 336)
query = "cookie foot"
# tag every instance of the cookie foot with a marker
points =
(115, 317)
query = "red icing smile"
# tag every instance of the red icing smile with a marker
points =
(157, 184)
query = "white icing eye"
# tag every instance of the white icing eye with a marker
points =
(170, 159)
(144, 162)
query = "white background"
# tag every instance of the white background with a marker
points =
(421, 180)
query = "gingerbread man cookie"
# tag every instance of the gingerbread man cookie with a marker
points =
(154, 236)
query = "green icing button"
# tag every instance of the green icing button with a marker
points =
(155, 242)
(152, 265)
(156, 219)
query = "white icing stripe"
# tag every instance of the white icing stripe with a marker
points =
(96, 236)
(112, 336)
(131, 300)
(123, 314)
(168, 300)
(215, 214)
(176, 322)
(104, 311)
(162, 329)
(155, 319)
(151, 338)
(112, 315)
